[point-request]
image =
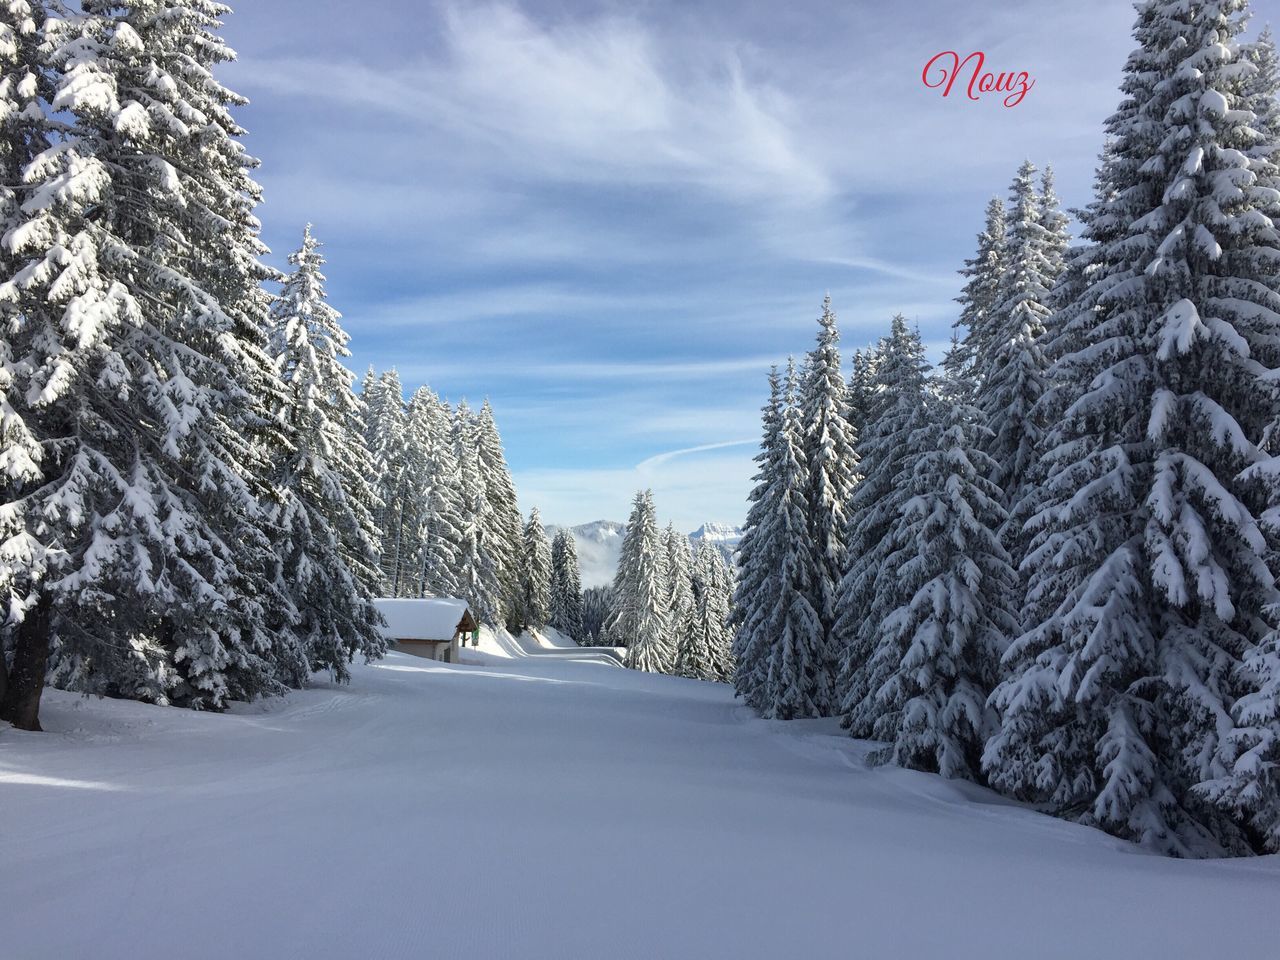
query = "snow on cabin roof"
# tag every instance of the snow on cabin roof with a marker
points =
(435, 618)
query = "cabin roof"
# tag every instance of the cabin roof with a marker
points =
(436, 618)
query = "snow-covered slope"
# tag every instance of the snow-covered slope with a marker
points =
(541, 807)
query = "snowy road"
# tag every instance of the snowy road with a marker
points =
(534, 808)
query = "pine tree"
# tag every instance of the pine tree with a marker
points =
(386, 432)
(50, 273)
(868, 590)
(160, 415)
(690, 656)
(756, 593)
(712, 593)
(326, 535)
(641, 619)
(438, 495)
(504, 524)
(981, 293)
(478, 581)
(1150, 586)
(566, 588)
(1010, 367)
(861, 393)
(778, 647)
(938, 653)
(535, 574)
(827, 447)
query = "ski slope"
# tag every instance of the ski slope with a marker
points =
(535, 806)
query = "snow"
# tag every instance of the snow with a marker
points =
(543, 807)
(435, 618)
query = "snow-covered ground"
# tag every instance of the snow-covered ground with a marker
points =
(544, 807)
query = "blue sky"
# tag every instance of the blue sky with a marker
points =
(610, 218)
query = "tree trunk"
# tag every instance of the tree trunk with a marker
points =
(21, 702)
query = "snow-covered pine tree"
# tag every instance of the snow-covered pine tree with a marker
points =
(690, 657)
(712, 593)
(386, 433)
(861, 393)
(756, 593)
(325, 532)
(1250, 786)
(640, 620)
(50, 277)
(477, 580)
(504, 523)
(437, 492)
(167, 588)
(566, 587)
(535, 574)
(938, 653)
(796, 680)
(1009, 366)
(1149, 569)
(981, 293)
(831, 464)
(1055, 223)
(868, 590)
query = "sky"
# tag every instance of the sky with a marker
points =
(612, 218)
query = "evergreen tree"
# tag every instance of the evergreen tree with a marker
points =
(690, 656)
(641, 620)
(1150, 588)
(478, 581)
(827, 447)
(155, 426)
(712, 594)
(861, 394)
(503, 517)
(535, 574)
(386, 431)
(566, 588)
(938, 653)
(779, 645)
(50, 272)
(868, 590)
(756, 593)
(981, 293)
(324, 526)
(438, 494)
(1010, 368)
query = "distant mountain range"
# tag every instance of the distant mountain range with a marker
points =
(599, 545)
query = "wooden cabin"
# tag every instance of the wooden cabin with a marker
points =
(435, 627)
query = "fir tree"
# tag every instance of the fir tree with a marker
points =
(386, 431)
(641, 620)
(566, 588)
(756, 593)
(779, 646)
(438, 494)
(478, 581)
(324, 525)
(535, 574)
(503, 516)
(981, 293)
(827, 447)
(167, 588)
(1150, 585)
(868, 590)
(1010, 367)
(938, 653)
